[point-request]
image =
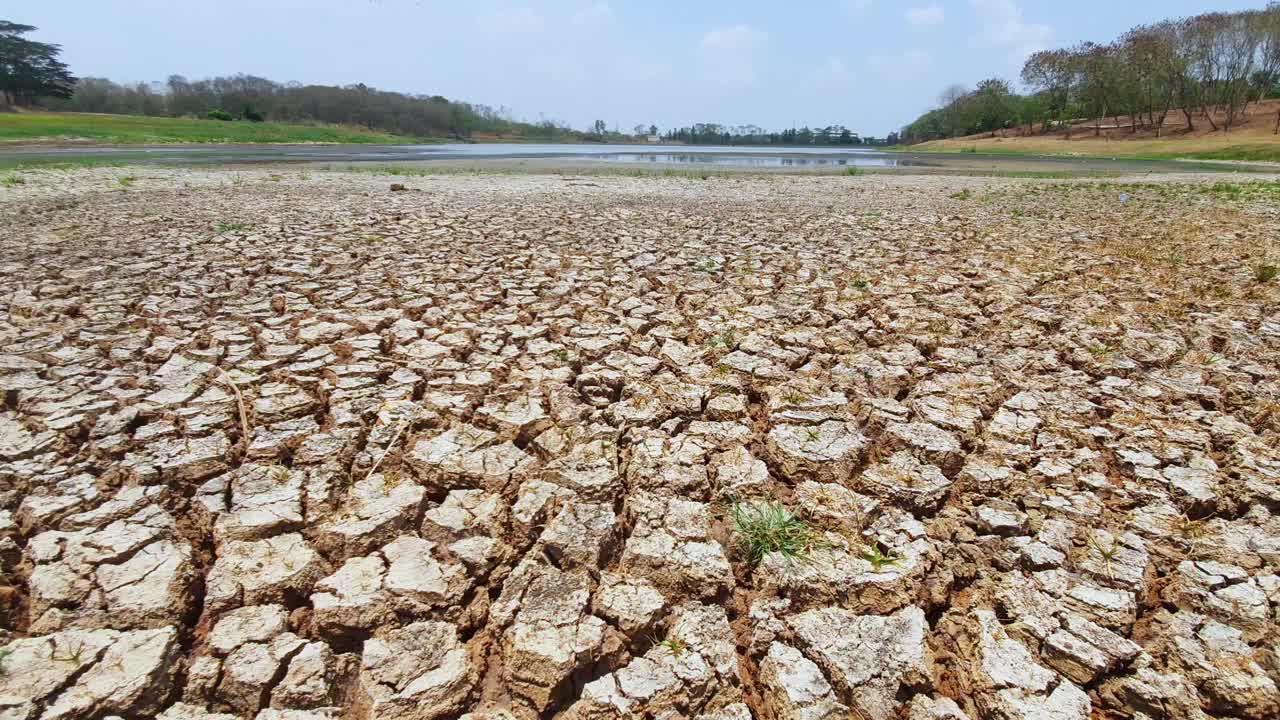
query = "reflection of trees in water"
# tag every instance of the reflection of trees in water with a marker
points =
(753, 161)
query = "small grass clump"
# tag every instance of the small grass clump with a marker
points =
(226, 227)
(878, 559)
(768, 527)
(126, 181)
(673, 645)
(1266, 272)
(962, 195)
(13, 180)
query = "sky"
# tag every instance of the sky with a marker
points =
(871, 65)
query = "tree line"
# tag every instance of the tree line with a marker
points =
(716, 134)
(31, 73)
(250, 97)
(1215, 64)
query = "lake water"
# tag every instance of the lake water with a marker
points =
(815, 158)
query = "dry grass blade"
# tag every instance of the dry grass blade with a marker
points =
(404, 425)
(244, 412)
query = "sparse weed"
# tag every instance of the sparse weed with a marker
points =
(4, 657)
(560, 354)
(724, 339)
(1190, 529)
(275, 178)
(878, 559)
(1265, 273)
(853, 171)
(226, 227)
(673, 645)
(962, 195)
(794, 398)
(766, 527)
(126, 181)
(12, 180)
(1108, 553)
(74, 654)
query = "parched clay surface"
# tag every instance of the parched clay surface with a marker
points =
(283, 444)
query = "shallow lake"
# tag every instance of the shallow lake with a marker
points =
(709, 156)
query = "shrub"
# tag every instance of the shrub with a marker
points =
(252, 115)
(219, 114)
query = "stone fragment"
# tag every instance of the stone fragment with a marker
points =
(418, 672)
(262, 571)
(795, 688)
(873, 660)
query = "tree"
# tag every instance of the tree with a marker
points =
(599, 128)
(28, 69)
(653, 129)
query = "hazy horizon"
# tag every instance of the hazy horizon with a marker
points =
(872, 65)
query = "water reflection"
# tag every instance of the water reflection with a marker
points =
(763, 161)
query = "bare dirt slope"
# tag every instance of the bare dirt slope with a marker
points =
(1253, 137)
(285, 446)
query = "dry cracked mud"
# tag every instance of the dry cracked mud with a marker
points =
(288, 445)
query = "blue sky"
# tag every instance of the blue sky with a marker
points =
(872, 65)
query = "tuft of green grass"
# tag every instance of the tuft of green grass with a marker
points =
(766, 527)
(854, 171)
(13, 180)
(1102, 352)
(1265, 273)
(226, 227)
(962, 195)
(126, 181)
(4, 657)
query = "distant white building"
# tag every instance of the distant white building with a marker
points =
(655, 138)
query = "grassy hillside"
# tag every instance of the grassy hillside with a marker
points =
(1253, 140)
(137, 130)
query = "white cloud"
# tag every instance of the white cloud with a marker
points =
(932, 15)
(593, 15)
(902, 60)
(511, 20)
(1003, 26)
(738, 37)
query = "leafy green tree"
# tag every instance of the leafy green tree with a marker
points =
(28, 69)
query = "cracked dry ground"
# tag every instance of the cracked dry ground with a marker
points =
(495, 425)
